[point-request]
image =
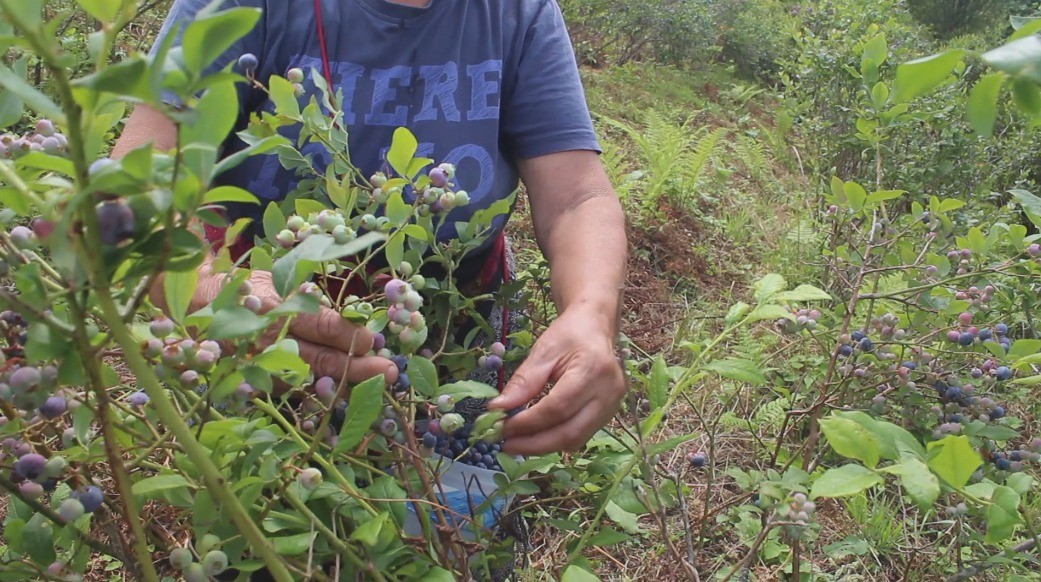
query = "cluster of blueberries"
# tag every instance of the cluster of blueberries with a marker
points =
(968, 334)
(798, 510)
(46, 138)
(457, 446)
(805, 319)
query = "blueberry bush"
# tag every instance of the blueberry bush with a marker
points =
(124, 399)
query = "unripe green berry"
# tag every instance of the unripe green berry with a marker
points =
(181, 558)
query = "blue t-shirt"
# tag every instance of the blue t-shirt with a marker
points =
(481, 83)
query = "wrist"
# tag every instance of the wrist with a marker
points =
(596, 317)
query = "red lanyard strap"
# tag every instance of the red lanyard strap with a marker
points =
(322, 45)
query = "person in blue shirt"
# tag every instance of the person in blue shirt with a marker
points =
(492, 87)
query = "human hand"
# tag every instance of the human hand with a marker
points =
(588, 387)
(331, 345)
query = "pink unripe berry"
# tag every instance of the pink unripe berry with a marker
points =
(1034, 250)
(498, 349)
(45, 127)
(965, 318)
(396, 290)
(252, 303)
(952, 336)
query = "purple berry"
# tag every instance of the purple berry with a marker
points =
(115, 221)
(1034, 250)
(379, 341)
(953, 336)
(438, 178)
(396, 290)
(138, 399)
(24, 379)
(325, 389)
(388, 427)
(30, 466)
(493, 363)
(53, 407)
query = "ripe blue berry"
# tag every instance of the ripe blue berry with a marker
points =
(31, 466)
(138, 399)
(91, 497)
(867, 345)
(1003, 373)
(115, 221)
(965, 338)
(401, 362)
(53, 407)
(24, 379)
(985, 334)
(1003, 464)
(997, 412)
(846, 350)
(1001, 329)
(248, 63)
(403, 383)
(697, 460)
(429, 440)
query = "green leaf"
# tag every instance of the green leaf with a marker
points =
(770, 311)
(1030, 203)
(802, 293)
(844, 481)
(918, 77)
(368, 533)
(423, 375)
(179, 288)
(658, 384)
(629, 521)
(155, 487)
(740, 370)
(918, 481)
(1002, 515)
(1024, 347)
(574, 573)
(209, 36)
(363, 409)
(607, 536)
(982, 107)
(894, 441)
(851, 440)
(294, 545)
(737, 311)
(883, 195)
(769, 285)
(1019, 57)
(468, 389)
(235, 322)
(274, 221)
(875, 50)
(954, 459)
(1027, 96)
(229, 194)
(38, 538)
(103, 10)
(283, 95)
(36, 100)
(402, 149)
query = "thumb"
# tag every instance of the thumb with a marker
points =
(525, 384)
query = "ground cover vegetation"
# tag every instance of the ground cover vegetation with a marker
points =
(830, 323)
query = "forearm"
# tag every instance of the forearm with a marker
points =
(586, 247)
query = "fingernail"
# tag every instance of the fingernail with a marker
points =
(497, 401)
